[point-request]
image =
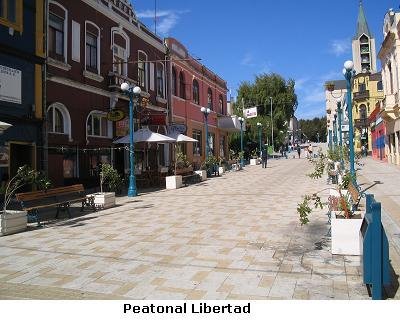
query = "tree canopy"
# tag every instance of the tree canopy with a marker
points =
(310, 128)
(257, 94)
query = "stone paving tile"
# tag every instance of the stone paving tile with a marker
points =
(234, 237)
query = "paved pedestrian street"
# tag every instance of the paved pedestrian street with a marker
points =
(232, 237)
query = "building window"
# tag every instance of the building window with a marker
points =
(91, 52)
(362, 88)
(196, 96)
(120, 47)
(379, 85)
(210, 99)
(221, 105)
(58, 119)
(222, 146)
(97, 125)
(11, 14)
(142, 70)
(173, 84)
(363, 112)
(211, 143)
(182, 88)
(197, 148)
(56, 37)
(160, 80)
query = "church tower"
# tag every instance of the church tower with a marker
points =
(363, 45)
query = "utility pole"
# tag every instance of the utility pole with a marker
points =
(272, 128)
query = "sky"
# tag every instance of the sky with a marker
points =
(307, 40)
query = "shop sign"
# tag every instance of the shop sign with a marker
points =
(250, 112)
(10, 84)
(115, 115)
(345, 128)
(180, 128)
(122, 127)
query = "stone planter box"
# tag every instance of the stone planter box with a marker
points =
(104, 200)
(173, 182)
(203, 174)
(345, 234)
(13, 222)
(221, 170)
(255, 161)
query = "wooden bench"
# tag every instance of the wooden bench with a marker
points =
(61, 197)
(348, 203)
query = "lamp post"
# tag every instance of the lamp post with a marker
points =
(330, 138)
(133, 94)
(348, 72)
(206, 112)
(241, 119)
(272, 128)
(259, 125)
(334, 131)
(317, 137)
(339, 113)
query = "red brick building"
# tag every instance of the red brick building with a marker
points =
(192, 86)
(89, 43)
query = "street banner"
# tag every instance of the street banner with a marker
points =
(250, 112)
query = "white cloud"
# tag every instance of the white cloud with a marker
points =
(248, 60)
(300, 83)
(166, 19)
(340, 47)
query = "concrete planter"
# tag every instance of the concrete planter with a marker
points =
(345, 234)
(203, 174)
(221, 170)
(254, 161)
(13, 222)
(173, 182)
(104, 200)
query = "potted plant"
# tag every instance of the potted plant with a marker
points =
(182, 166)
(211, 165)
(110, 184)
(345, 224)
(254, 158)
(221, 168)
(13, 221)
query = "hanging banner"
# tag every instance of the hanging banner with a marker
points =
(10, 84)
(250, 112)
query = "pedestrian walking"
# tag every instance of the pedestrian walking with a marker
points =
(298, 149)
(264, 158)
(310, 151)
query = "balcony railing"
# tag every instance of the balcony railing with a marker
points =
(115, 81)
(362, 122)
(361, 95)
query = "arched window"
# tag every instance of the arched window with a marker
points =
(57, 31)
(379, 85)
(92, 48)
(173, 84)
(142, 70)
(210, 99)
(160, 80)
(182, 88)
(120, 47)
(221, 104)
(58, 119)
(363, 112)
(196, 93)
(98, 125)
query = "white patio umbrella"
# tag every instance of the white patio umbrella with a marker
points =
(180, 138)
(4, 126)
(145, 135)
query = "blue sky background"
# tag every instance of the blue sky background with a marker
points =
(306, 40)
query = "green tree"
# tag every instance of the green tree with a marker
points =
(311, 128)
(257, 94)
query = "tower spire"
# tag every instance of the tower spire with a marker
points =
(362, 25)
